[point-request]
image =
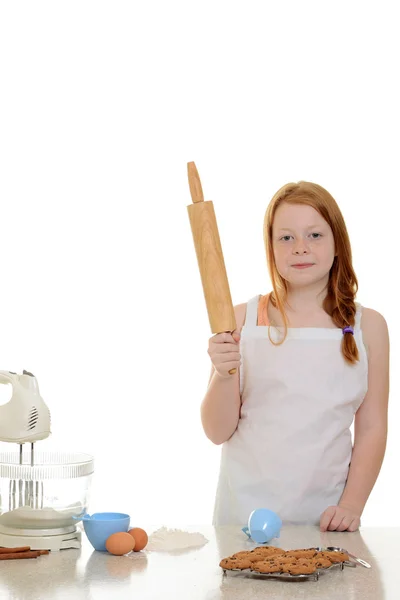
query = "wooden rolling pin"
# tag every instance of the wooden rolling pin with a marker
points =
(210, 258)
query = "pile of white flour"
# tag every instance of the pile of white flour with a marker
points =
(164, 540)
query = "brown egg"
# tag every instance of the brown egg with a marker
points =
(140, 537)
(120, 543)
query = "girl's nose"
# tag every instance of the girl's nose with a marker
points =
(300, 247)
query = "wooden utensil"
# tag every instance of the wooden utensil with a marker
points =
(210, 258)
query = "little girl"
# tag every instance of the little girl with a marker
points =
(308, 361)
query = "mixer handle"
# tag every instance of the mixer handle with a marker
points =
(7, 377)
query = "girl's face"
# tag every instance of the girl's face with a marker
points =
(303, 244)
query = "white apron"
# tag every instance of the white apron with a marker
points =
(292, 448)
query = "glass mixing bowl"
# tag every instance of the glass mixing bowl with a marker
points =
(53, 493)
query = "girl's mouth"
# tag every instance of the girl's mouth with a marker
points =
(303, 266)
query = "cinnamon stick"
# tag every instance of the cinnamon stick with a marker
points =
(11, 550)
(17, 555)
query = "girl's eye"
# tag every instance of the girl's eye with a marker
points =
(314, 236)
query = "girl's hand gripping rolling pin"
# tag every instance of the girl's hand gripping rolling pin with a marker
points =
(223, 349)
(213, 277)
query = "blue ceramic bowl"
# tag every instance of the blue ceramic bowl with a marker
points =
(100, 526)
(263, 525)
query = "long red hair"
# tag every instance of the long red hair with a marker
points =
(343, 285)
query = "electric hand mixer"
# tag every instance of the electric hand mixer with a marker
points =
(42, 499)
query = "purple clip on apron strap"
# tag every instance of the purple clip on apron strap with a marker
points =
(348, 329)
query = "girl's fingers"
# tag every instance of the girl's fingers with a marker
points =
(344, 525)
(327, 517)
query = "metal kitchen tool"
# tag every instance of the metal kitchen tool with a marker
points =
(286, 576)
(42, 494)
(210, 258)
(359, 560)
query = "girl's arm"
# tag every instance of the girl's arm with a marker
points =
(370, 424)
(370, 429)
(220, 409)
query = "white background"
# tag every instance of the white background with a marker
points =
(102, 105)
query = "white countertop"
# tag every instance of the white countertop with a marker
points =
(195, 575)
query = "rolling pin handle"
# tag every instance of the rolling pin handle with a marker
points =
(231, 371)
